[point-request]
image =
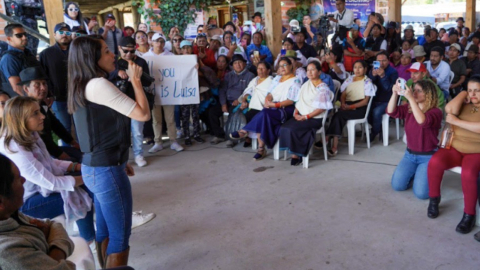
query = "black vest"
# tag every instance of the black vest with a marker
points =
(374, 44)
(27, 59)
(104, 135)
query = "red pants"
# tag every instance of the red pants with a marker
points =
(445, 159)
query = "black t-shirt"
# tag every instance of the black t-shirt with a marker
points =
(428, 47)
(307, 50)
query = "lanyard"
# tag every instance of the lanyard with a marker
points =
(339, 18)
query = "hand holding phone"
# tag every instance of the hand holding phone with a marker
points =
(376, 64)
(402, 85)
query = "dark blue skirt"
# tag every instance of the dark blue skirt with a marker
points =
(268, 122)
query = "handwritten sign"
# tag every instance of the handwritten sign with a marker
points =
(176, 79)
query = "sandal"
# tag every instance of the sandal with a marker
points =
(332, 153)
(296, 161)
(237, 135)
(260, 154)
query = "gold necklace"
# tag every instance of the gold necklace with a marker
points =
(474, 109)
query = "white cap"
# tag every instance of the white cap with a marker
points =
(156, 36)
(217, 37)
(294, 23)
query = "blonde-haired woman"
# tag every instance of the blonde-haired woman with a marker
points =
(45, 177)
(423, 120)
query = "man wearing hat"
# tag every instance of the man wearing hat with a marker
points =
(418, 72)
(419, 54)
(127, 53)
(307, 50)
(229, 91)
(54, 61)
(257, 22)
(409, 35)
(458, 68)
(293, 27)
(472, 63)
(111, 34)
(432, 41)
(34, 84)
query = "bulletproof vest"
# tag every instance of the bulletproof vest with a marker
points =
(27, 59)
(104, 135)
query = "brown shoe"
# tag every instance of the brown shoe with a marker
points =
(102, 252)
(117, 259)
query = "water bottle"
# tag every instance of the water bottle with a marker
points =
(447, 136)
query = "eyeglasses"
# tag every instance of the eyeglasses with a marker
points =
(78, 34)
(128, 51)
(73, 9)
(67, 33)
(20, 35)
(202, 35)
(284, 66)
(177, 40)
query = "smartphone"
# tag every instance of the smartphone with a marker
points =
(234, 39)
(283, 52)
(402, 84)
(376, 64)
(258, 26)
(256, 54)
(235, 17)
(350, 35)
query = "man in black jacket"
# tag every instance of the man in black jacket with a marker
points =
(432, 42)
(34, 83)
(54, 61)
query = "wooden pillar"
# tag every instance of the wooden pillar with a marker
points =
(100, 20)
(273, 25)
(135, 16)
(54, 15)
(395, 10)
(470, 20)
(117, 18)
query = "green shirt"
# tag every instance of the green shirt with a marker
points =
(441, 96)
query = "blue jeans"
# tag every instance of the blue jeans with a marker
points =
(137, 137)
(38, 206)
(376, 112)
(60, 109)
(113, 204)
(412, 168)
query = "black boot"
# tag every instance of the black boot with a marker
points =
(433, 207)
(466, 224)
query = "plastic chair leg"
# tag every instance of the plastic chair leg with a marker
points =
(254, 144)
(397, 124)
(305, 161)
(351, 137)
(367, 133)
(385, 128)
(325, 155)
(276, 151)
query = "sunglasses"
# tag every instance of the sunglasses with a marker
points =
(129, 51)
(78, 34)
(20, 35)
(67, 33)
(73, 9)
(202, 35)
(177, 40)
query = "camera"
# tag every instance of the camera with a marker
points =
(295, 29)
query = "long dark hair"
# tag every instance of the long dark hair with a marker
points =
(79, 16)
(7, 176)
(84, 54)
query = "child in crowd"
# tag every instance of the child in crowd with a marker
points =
(407, 48)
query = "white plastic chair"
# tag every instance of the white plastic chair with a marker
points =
(459, 171)
(276, 151)
(351, 128)
(386, 126)
(452, 75)
(321, 131)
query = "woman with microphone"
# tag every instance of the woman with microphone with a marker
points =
(102, 116)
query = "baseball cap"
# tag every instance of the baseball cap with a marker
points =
(418, 51)
(157, 36)
(127, 42)
(473, 48)
(110, 16)
(60, 26)
(217, 37)
(456, 46)
(355, 27)
(294, 23)
(409, 27)
(416, 67)
(185, 43)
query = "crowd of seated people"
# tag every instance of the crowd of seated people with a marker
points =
(284, 98)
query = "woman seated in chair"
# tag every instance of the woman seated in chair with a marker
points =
(315, 98)
(254, 95)
(356, 93)
(423, 120)
(45, 176)
(463, 114)
(278, 108)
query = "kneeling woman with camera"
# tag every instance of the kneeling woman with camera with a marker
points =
(423, 120)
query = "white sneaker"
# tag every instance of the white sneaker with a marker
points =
(93, 247)
(175, 146)
(157, 147)
(179, 133)
(139, 219)
(140, 160)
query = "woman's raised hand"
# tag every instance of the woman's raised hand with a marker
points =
(134, 71)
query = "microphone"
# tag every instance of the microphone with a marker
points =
(123, 64)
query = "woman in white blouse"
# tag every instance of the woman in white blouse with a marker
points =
(278, 108)
(356, 92)
(315, 99)
(230, 48)
(45, 177)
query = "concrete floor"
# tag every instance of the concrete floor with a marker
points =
(214, 211)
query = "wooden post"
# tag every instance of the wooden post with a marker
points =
(470, 20)
(117, 18)
(273, 25)
(100, 20)
(395, 10)
(135, 17)
(54, 15)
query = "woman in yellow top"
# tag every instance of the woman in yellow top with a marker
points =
(356, 92)
(464, 117)
(315, 99)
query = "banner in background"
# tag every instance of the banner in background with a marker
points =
(361, 8)
(191, 31)
(176, 79)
